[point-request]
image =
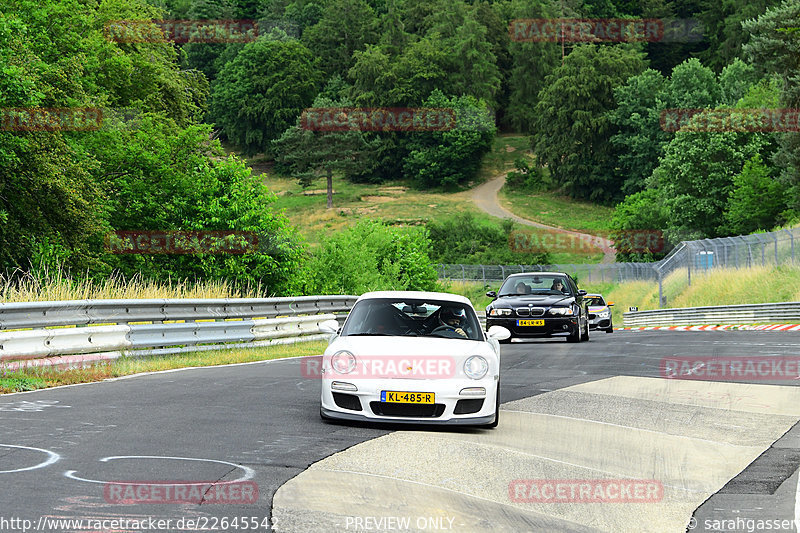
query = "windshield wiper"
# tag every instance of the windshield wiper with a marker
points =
(370, 335)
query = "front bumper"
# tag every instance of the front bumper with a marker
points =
(601, 323)
(450, 407)
(553, 326)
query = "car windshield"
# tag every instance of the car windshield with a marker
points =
(595, 301)
(413, 318)
(535, 284)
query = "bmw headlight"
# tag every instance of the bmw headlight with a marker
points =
(604, 314)
(561, 311)
(500, 312)
(476, 367)
(343, 362)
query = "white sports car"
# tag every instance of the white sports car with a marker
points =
(414, 357)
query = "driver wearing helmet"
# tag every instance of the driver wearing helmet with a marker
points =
(453, 319)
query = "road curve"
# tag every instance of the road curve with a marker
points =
(485, 197)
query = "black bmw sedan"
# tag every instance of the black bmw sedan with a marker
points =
(540, 304)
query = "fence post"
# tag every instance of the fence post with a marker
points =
(775, 236)
(661, 301)
(483, 275)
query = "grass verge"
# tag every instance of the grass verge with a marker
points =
(553, 209)
(42, 378)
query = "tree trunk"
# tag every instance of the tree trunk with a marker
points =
(330, 188)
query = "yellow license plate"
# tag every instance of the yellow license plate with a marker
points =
(530, 322)
(390, 396)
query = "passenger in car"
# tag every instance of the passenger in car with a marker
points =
(521, 288)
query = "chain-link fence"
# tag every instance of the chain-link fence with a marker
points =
(773, 248)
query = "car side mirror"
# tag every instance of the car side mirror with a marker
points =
(582, 292)
(329, 326)
(609, 304)
(491, 294)
(498, 332)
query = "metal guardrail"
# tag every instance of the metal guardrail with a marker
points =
(723, 314)
(134, 326)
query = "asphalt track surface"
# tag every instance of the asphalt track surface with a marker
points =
(260, 423)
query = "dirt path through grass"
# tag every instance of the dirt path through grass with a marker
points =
(485, 197)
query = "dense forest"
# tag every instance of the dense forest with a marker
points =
(594, 111)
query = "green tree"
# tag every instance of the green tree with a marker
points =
(450, 157)
(756, 199)
(640, 140)
(308, 154)
(345, 27)
(259, 94)
(371, 256)
(695, 177)
(774, 46)
(572, 127)
(531, 62)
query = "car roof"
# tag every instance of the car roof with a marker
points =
(588, 295)
(419, 295)
(538, 274)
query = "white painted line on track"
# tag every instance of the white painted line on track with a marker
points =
(52, 458)
(249, 473)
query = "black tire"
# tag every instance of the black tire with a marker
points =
(574, 337)
(585, 335)
(610, 329)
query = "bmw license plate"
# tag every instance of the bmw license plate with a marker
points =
(390, 396)
(530, 322)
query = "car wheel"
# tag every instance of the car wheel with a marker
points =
(610, 329)
(574, 337)
(585, 336)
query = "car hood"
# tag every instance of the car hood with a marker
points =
(540, 300)
(597, 308)
(401, 346)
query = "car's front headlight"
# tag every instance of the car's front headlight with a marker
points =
(561, 311)
(500, 312)
(476, 367)
(604, 314)
(343, 362)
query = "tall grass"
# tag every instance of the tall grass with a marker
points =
(52, 284)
